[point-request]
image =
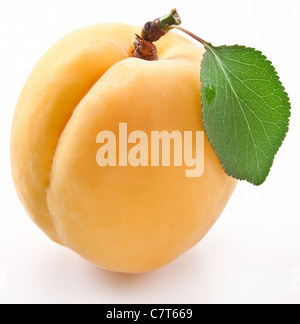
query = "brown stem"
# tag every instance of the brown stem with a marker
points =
(152, 32)
(144, 49)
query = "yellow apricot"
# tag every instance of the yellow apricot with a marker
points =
(125, 219)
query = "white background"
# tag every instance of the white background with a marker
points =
(252, 254)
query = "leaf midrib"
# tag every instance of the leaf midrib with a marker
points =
(238, 100)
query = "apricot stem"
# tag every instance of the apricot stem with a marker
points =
(152, 32)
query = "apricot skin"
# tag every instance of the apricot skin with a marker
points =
(123, 219)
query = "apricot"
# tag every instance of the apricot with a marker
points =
(124, 219)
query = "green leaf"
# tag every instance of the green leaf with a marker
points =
(245, 110)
